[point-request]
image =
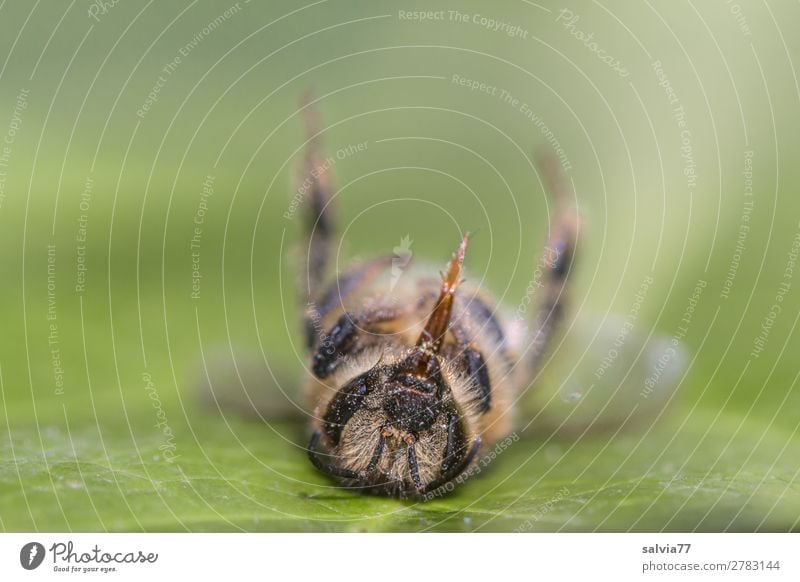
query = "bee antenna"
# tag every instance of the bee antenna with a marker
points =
(432, 337)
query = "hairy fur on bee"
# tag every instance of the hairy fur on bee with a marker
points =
(384, 350)
(412, 375)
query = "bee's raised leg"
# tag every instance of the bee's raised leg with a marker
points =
(315, 183)
(556, 262)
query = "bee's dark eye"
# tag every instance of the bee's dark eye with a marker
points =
(344, 405)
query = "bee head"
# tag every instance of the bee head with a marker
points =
(396, 427)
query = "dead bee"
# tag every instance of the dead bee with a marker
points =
(410, 379)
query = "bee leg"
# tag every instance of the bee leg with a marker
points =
(327, 468)
(337, 343)
(342, 340)
(475, 366)
(556, 262)
(334, 296)
(315, 181)
(452, 466)
(453, 434)
(477, 370)
(376, 455)
(455, 470)
(414, 468)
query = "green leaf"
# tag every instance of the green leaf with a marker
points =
(708, 475)
(101, 219)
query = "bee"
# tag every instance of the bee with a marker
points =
(411, 378)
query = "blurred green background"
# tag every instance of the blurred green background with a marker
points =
(115, 116)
